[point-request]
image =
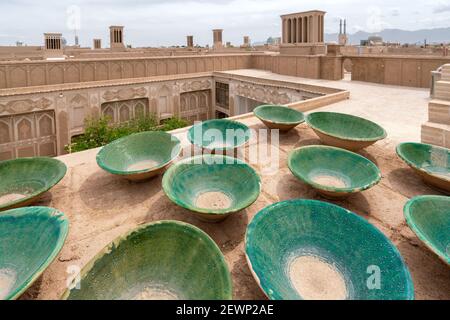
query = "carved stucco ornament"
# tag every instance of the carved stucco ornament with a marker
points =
(196, 85)
(23, 106)
(125, 94)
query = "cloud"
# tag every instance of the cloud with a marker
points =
(442, 9)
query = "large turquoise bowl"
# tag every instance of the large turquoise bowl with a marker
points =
(430, 162)
(305, 249)
(345, 131)
(279, 117)
(166, 260)
(333, 172)
(219, 135)
(212, 186)
(30, 239)
(140, 156)
(429, 218)
(24, 180)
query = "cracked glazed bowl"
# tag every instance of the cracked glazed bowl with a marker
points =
(212, 186)
(24, 180)
(30, 239)
(279, 117)
(219, 135)
(345, 131)
(140, 156)
(166, 260)
(429, 218)
(312, 250)
(429, 162)
(333, 172)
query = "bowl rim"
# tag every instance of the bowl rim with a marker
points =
(405, 159)
(63, 224)
(266, 211)
(314, 127)
(228, 293)
(318, 186)
(407, 210)
(237, 123)
(267, 106)
(61, 173)
(101, 162)
(166, 185)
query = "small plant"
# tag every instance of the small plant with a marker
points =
(99, 131)
(174, 123)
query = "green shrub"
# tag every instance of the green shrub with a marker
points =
(99, 132)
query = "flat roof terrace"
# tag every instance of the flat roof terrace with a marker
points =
(400, 110)
(102, 207)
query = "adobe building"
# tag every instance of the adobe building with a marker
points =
(190, 41)
(53, 45)
(303, 33)
(116, 38)
(44, 103)
(217, 38)
(246, 43)
(97, 44)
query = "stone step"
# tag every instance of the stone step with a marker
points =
(436, 134)
(446, 72)
(445, 76)
(439, 111)
(442, 90)
(442, 95)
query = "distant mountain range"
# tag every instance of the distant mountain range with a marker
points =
(439, 35)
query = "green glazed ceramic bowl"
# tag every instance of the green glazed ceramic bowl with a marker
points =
(279, 117)
(333, 172)
(212, 186)
(430, 162)
(219, 135)
(140, 156)
(30, 239)
(167, 260)
(312, 250)
(429, 218)
(345, 131)
(24, 180)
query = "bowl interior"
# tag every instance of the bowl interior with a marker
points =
(305, 249)
(25, 178)
(212, 184)
(163, 261)
(140, 152)
(429, 218)
(346, 126)
(333, 169)
(433, 160)
(279, 114)
(219, 134)
(30, 239)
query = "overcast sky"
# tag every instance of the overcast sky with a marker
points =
(167, 22)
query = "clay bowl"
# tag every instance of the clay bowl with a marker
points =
(345, 131)
(24, 180)
(279, 117)
(166, 260)
(212, 186)
(30, 239)
(430, 162)
(333, 172)
(312, 250)
(140, 156)
(219, 136)
(429, 218)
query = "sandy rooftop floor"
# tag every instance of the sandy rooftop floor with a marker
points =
(101, 206)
